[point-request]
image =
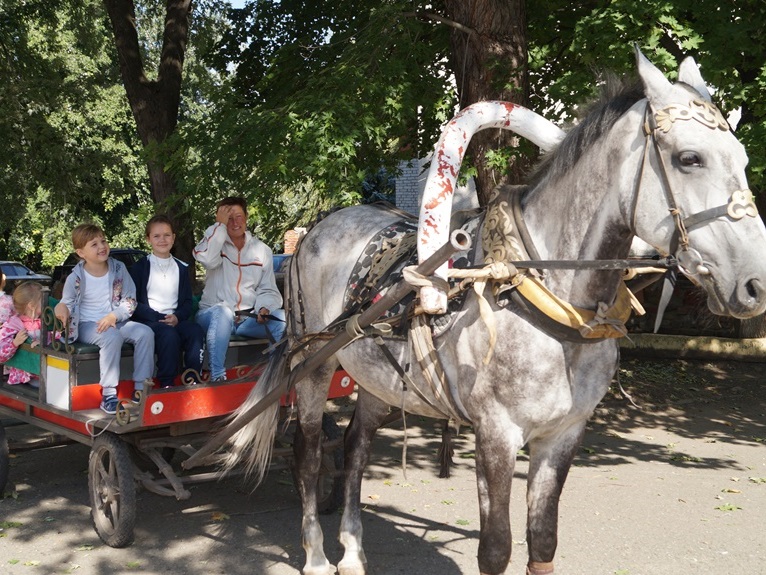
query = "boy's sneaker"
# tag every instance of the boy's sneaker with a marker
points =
(136, 398)
(109, 404)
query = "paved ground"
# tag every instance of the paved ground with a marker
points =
(678, 487)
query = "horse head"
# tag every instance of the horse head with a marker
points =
(692, 198)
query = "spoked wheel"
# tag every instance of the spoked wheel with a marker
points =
(112, 490)
(5, 460)
(331, 480)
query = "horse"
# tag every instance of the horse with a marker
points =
(654, 160)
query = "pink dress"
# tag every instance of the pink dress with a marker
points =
(10, 328)
(6, 307)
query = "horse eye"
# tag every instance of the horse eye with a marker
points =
(689, 159)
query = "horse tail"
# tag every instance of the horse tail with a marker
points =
(252, 445)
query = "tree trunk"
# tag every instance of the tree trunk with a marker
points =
(488, 53)
(155, 103)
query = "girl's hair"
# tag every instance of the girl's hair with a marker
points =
(158, 219)
(26, 293)
(83, 233)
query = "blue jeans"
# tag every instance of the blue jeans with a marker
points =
(186, 338)
(110, 343)
(218, 322)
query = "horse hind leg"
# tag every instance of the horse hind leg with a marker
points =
(550, 460)
(307, 448)
(368, 417)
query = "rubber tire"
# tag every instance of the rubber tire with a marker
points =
(5, 460)
(330, 490)
(112, 490)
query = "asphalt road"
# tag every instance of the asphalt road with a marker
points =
(678, 487)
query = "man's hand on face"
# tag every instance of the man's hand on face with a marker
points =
(222, 215)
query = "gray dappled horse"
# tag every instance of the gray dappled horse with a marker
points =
(658, 163)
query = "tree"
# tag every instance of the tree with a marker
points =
(322, 97)
(155, 103)
(67, 153)
(488, 56)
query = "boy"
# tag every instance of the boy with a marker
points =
(99, 296)
(164, 297)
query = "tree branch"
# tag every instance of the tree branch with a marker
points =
(174, 41)
(423, 15)
(123, 18)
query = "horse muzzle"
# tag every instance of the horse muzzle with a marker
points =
(743, 298)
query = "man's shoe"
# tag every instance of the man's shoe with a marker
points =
(137, 394)
(109, 404)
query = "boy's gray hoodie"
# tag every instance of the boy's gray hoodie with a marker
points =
(123, 298)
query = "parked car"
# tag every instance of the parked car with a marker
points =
(128, 256)
(16, 272)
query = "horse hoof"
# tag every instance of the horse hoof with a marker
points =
(539, 568)
(325, 570)
(349, 568)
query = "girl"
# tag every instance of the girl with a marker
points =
(6, 302)
(23, 324)
(164, 296)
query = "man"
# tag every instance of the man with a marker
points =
(240, 276)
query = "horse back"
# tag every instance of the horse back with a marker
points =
(326, 256)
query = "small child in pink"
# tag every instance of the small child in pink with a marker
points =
(6, 302)
(24, 324)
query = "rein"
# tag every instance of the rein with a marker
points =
(663, 263)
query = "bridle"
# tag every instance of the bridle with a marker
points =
(688, 259)
(740, 205)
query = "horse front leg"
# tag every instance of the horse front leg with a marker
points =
(495, 461)
(307, 448)
(550, 460)
(368, 417)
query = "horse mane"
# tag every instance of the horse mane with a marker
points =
(616, 96)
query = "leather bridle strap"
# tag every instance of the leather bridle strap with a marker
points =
(680, 237)
(740, 205)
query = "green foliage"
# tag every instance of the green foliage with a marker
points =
(294, 104)
(322, 96)
(69, 148)
(572, 44)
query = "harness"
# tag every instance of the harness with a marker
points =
(514, 269)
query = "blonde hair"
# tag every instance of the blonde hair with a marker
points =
(83, 233)
(26, 293)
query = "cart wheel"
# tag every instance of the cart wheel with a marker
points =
(112, 490)
(5, 460)
(331, 481)
(123, 413)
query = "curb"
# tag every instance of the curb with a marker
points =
(650, 345)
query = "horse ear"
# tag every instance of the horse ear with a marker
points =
(689, 73)
(656, 85)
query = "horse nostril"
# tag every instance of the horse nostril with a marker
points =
(754, 288)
